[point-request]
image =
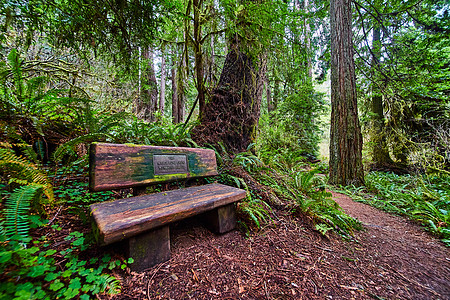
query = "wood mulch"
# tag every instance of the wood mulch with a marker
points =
(287, 259)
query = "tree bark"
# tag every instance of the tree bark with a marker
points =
(146, 104)
(276, 93)
(181, 81)
(232, 114)
(199, 56)
(346, 139)
(212, 63)
(181, 97)
(380, 153)
(175, 118)
(162, 94)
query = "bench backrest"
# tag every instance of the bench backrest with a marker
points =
(126, 165)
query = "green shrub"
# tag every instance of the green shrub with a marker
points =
(305, 192)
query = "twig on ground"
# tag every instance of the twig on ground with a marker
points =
(54, 217)
(153, 275)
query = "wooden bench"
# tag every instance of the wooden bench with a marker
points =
(143, 221)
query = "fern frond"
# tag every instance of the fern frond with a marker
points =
(68, 147)
(111, 120)
(2, 231)
(16, 69)
(16, 210)
(21, 171)
(109, 284)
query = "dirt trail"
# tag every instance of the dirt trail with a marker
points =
(401, 248)
(392, 259)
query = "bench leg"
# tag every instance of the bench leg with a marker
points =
(222, 219)
(149, 248)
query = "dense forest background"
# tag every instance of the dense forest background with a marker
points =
(243, 77)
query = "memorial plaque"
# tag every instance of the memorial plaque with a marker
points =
(165, 164)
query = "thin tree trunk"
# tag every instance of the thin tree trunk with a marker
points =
(199, 56)
(213, 61)
(181, 82)
(276, 93)
(162, 94)
(308, 41)
(346, 139)
(175, 118)
(380, 153)
(181, 94)
(147, 103)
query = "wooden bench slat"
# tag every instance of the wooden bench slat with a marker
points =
(125, 165)
(124, 218)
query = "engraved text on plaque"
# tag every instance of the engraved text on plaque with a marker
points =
(170, 164)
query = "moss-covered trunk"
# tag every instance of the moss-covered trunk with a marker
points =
(232, 114)
(380, 153)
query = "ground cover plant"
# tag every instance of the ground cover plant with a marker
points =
(423, 198)
(56, 264)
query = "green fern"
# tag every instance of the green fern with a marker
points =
(17, 210)
(21, 171)
(257, 210)
(68, 148)
(109, 284)
(2, 231)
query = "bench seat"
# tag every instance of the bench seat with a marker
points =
(141, 223)
(121, 219)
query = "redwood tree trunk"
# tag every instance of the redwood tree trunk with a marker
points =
(232, 114)
(175, 118)
(146, 104)
(162, 94)
(346, 139)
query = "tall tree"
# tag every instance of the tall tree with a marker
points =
(175, 118)
(182, 76)
(346, 139)
(380, 152)
(197, 6)
(162, 94)
(407, 56)
(232, 114)
(146, 104)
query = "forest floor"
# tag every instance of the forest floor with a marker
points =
(287, 259)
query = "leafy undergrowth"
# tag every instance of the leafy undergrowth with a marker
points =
(299, 190)
(425, 199)
(54, 259)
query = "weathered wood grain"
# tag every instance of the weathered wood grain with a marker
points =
(222, 219)
(121, 219)
(149, 248)
(125, 165)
